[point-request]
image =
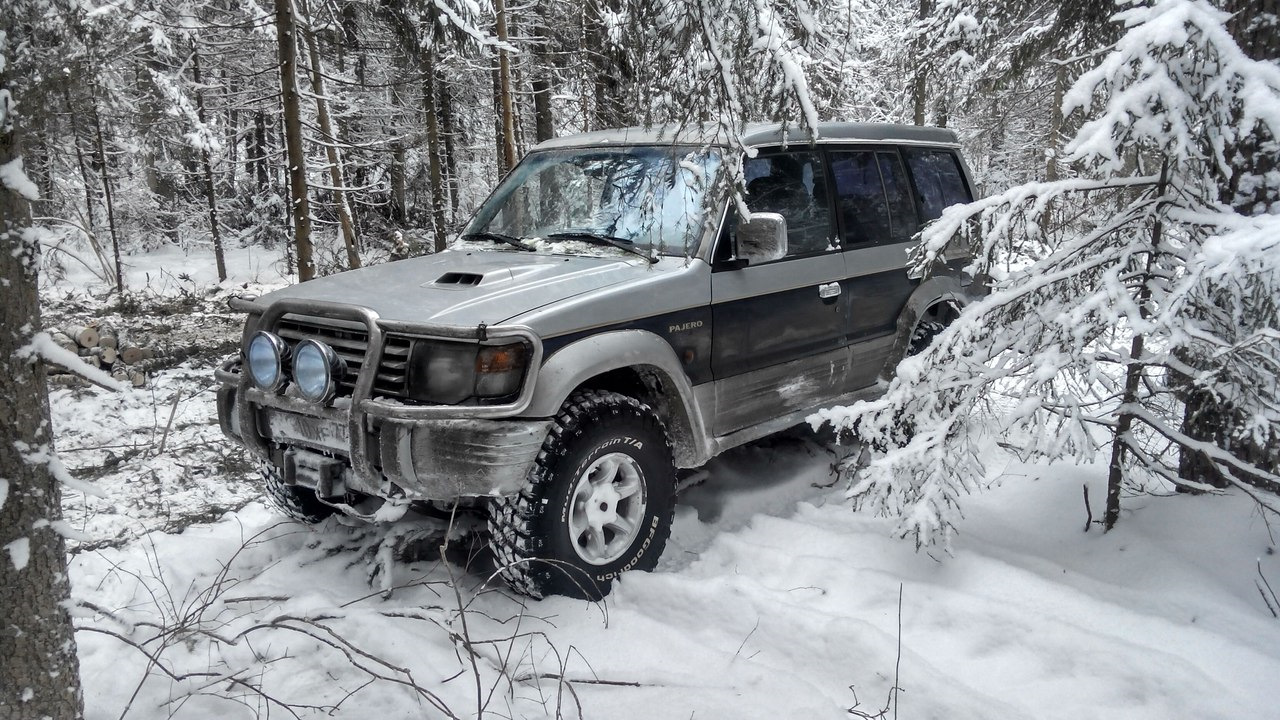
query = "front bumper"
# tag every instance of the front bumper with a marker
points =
(440, 459)
(379, 447)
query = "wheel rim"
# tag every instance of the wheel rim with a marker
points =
(608, 506)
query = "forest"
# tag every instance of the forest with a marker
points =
(158, 159)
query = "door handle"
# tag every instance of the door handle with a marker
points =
(829, 290)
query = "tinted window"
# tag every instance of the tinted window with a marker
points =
(860, 198)
(792, 184)
(939, 182)
(904, 221)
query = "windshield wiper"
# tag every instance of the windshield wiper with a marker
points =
(498, 237)
(601, 239)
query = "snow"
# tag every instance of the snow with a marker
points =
(19, 552)
(773, 600)
(13, 177)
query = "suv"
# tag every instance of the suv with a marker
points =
(610, 316)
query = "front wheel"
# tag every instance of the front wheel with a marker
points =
(297, 502)
(598, 502)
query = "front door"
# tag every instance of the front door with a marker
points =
(781, 328)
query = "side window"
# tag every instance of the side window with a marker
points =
(939, 181)
(860, 198)
(904, 221)
(793, 184)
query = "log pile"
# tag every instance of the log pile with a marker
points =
(101, 346)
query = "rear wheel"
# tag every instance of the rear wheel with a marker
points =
(598, 502)
(931, 325)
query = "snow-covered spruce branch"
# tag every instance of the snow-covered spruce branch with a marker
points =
(1152, 305)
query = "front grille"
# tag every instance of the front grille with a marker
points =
(351, 341)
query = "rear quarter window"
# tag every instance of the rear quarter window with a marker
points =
(938, 180)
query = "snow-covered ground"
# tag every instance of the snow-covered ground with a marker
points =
(774, 598)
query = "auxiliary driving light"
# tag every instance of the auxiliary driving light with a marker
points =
(317, 369)
(267, 355)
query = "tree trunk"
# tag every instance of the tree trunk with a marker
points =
(498, 147)
(448, 133)
(39, 667)
(106, 189)
(301, 208)
(504, 91)
(148, 119)
(540, 82)
(210, 189)
(329, 139)
(259, 160)
(233, 132)
(1133, 374)
(920, 82)
(433, 146)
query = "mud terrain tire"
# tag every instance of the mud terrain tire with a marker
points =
(923, 336)
(298, 503)
(599, 501)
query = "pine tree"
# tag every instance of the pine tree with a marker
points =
(39, 667)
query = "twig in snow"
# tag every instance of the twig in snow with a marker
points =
(1273, 604)
(173, 410)
(891, 702)
(1088, 511)
(744, 642)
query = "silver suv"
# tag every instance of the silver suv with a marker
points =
(610, 316)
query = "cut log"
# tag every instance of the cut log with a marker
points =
(132, 354)
(120, 376)
(64, 341)
(138, 378)
(68, 380)
(84, 336)
(108, 354)
(107, 337)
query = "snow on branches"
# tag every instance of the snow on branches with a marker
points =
(1107, 330)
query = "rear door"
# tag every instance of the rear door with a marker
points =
(877, 217)
(780, 328)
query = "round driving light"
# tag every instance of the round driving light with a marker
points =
(267, 353)
(317, 370)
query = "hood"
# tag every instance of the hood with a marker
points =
(465, 287)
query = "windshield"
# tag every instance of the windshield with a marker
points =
(601, 201)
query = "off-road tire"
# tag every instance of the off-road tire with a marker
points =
(298, 503)
(530, 532)
(923, 335)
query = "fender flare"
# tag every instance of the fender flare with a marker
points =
(571, 366)
(937, 289)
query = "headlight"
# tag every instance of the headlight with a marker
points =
(317, 369)
(267, 354)
(447, 373)
(500, 368)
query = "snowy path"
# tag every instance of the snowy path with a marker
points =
(771, 602)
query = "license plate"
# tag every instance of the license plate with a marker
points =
(305, 430)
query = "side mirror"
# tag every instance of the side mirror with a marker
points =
(762, 237)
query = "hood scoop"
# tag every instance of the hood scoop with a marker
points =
(458, 279)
